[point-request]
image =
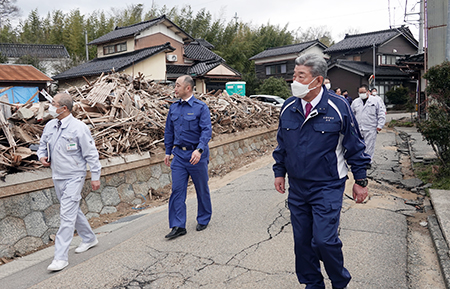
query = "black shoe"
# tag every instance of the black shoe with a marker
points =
(176, 232)
(201, 227)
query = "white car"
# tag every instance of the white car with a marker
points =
(270, 99)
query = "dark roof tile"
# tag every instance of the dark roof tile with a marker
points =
(196, 51)
(127, 31)
(205, 43)
(288, 49)
(117, 62)
(16, 50)
(366, 40)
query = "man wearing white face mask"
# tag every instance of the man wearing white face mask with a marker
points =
(317, 137)
(66, 146)
(370, 113)
(327, 83)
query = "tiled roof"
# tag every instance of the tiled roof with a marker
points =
(202, 68)
(199, 69)
(366, 40)
(21, 73)
(15, 50)
(127, 31)
(288, 49)
(367, 69)
(205, 43)
(196, 51)
(415, 58)
(117, 62)
(175, 71)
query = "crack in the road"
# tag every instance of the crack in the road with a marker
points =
(181, 267)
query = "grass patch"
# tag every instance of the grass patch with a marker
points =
(401, 123)
(434, 174)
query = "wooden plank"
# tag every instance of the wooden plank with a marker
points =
(5, 126)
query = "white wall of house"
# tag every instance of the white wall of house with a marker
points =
(200, 86)
(221, 70)
(160, 29)
(153, 67)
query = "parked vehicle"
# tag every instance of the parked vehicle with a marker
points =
(270, 99)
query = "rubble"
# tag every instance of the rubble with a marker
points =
(125, 115)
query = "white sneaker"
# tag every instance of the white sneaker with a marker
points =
(86, 246)
(57, 265)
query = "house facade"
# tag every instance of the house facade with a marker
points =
(279, 62)
(49, 56)
(158, 49)
(371, 59)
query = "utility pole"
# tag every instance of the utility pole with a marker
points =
(447, 50)
(420, 21)
(421, 26)
(374, 60)
(86, 44)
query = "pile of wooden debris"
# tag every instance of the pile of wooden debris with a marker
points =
(125, 115)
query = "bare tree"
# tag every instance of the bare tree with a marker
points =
(8, 9)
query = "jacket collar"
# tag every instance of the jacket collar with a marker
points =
(190, 100)
(65, 121)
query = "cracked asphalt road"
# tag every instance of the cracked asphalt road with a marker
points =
(248, 243)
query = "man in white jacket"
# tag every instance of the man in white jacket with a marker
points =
(370, 114)
(67, 146)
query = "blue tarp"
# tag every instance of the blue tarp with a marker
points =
(19, 94)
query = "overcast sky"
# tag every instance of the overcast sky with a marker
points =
(360, 15)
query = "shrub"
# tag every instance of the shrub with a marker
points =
(436, 129)
(401, 98)
(275, 86)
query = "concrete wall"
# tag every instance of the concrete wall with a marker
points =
(29, 209)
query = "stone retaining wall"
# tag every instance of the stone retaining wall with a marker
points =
(29, 209)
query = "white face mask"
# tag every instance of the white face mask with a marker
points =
(328, 85)
(363, 95)
(52, 110)
(301, 90)
(374, 93)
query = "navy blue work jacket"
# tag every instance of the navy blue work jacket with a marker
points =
(188, 124)
(320, 147)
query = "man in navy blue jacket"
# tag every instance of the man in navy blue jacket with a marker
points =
(186, 136)
(317, 137)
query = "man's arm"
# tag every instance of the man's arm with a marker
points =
(205, 127)
(169, 133)
(354, 146)
(381, 116)
(42, 151)
(89, 152)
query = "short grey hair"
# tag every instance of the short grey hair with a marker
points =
(65, 100)
(316, 63)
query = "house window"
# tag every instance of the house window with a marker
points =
(275, 69)
(121, 47)
(110, 49)
(387, 59)
(384, 86)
